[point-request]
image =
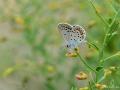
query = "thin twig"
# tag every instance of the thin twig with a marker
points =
(106, 37)
(108, 58)
(102, 19)
(85, 63)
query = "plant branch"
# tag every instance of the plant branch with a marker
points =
(97, 13)
(106, 37)
(85, 63)
(108, 58)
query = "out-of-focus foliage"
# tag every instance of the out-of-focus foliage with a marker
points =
(32, 56)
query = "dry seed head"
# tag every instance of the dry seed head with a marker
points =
(71, 54)
(84, 88)
(107, 72)
(81, 76)
(113, 68)
(100, 86)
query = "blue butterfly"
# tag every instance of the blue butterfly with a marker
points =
(72, 35)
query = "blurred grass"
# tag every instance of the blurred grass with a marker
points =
(29, 39)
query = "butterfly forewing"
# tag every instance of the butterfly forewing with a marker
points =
(65, 30)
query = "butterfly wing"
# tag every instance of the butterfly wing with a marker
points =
(73, 35)
(78, 34)
(65, 30)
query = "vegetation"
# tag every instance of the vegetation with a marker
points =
(32, 53)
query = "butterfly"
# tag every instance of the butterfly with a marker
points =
(73, 35)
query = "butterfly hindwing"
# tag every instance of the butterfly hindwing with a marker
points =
(79, 33)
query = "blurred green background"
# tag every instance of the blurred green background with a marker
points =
(32, 56)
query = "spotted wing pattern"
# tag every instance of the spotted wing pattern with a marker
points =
(78, 34)
(65, 30)
(73, 35)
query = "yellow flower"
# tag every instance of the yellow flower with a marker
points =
(50, 69)
(84, 88)
(71, 54)
(19, 20)
(81, 76)
(100, 86)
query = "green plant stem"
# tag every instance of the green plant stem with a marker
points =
(106, 24)
(102, 49)
(85, 63)
(106, 38)
(113, 8)
(101, 79)
(115, 17)
(97, 13)
(108, 58)
(93, 45)
(107, 34)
